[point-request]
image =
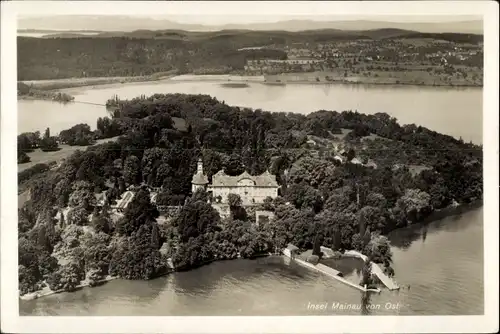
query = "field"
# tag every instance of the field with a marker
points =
(40, 157)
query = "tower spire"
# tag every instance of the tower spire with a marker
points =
(200, 166)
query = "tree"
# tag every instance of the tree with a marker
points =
(366, 274)
(312, 171)
(22, 157)
(101, 223)
(155, 237)
(366, 237)
(234, 200)
(140, 211)
(373, 218)
(415, 203)
(317, 246)
(47, 264)
(337, 239)
(376, 200)
(340, 199)
(379, 249)
(212, 162)
(78, 216)
(234, 166)
(166, 197)
(268, 204)
(42, 240)
(195, 219)
(200, 195)
(82, 196)
(304, 196)
(67, 277)
(135, 258)
(132, 170)
(97, 253)
(48, 143)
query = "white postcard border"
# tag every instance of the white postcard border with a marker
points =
(11, 322)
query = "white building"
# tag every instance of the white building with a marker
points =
(251, 189)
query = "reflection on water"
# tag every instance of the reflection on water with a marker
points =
(365, 303)
(444, 270)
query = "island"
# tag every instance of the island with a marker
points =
(185, 180)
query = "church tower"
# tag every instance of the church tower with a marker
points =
(200, 180)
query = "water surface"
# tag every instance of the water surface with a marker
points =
(453, 111)
(442, 263)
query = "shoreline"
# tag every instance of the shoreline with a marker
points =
(436, 215)
(40, 98)
(46, 291)
(63, 85)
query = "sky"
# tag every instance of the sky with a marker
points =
(242, 19)
(220, 19)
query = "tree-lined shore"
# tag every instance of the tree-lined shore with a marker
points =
(382, 56)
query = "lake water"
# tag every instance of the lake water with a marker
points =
(44, 34)
(442, 263)
(453, 111)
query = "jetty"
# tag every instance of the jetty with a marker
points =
(334, 274)
(291, 252)
(376, 270)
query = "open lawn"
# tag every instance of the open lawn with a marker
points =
(40, 157)
(180, 123)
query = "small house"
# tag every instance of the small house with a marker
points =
(100, 198)
(339, 158)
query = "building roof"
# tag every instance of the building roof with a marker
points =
(199, 178)
(125, 199)
(265, 179)
(100, 196)
(356, 161)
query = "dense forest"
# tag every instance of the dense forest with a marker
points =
(123, 56)
(322, 201)
(144, 52)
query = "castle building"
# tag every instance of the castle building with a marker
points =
(251, 189)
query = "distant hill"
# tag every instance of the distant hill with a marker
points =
(74, 24)
(245, 38)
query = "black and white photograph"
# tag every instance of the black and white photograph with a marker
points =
(315, 160)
